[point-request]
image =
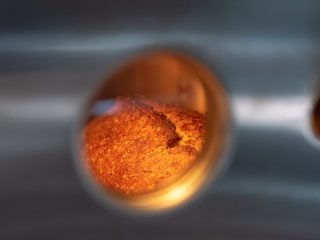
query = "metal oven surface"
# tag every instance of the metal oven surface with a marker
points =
(265, 52)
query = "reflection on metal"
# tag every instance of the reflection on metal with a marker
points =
(52, 51)
(49, 109)
(271, 112)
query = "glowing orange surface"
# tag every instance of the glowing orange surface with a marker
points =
(140, 145)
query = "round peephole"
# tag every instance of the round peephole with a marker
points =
(154, 132)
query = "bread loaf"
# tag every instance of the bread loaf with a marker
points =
(140, 145)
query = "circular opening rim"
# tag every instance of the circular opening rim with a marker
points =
(131, 205)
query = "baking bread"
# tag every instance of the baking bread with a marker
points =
(140, 145)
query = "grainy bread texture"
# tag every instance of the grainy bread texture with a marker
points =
(140, 145)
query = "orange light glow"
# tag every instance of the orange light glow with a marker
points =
(154, 132)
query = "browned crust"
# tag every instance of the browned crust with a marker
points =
(140, 145)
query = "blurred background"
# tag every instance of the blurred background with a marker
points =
(266, 53)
